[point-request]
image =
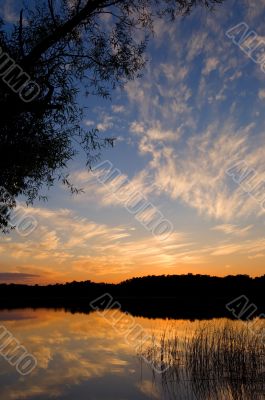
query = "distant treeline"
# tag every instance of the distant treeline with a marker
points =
(171, 296)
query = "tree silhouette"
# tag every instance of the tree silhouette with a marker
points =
(166, 296)
(53, 49)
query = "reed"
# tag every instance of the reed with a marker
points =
(228, 358)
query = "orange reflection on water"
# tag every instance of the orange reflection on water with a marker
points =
(81, 355)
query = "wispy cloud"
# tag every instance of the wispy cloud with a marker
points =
(210, 65)
(17, 277)
(118, 108)
(106, 122)
(230, 229)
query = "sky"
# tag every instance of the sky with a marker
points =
(186, 132)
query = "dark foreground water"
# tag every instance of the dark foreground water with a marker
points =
(96, 357)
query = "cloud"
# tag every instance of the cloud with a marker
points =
(141, 254)
(253, 10)
(196, 174)
(61, 237)
(207, 140)
(227, 249)
(155, 132)
(193, 172)
(118, 108)
(158, 133)
(17, 277)
(89, 122)
(210, 65)
(199, 41)
(262, 94)
(106, 122)
(78, 246)
(247, 247)
(117, 190)
(137, 127)
(258, 255)
(230, 229)
(172, 73)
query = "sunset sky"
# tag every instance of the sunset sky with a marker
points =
(197, 110)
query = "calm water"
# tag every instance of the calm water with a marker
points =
(84, 356)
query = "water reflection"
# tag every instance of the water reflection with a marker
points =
(185, 387)
(81, 357)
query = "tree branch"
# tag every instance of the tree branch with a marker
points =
(64, 29)
(20, 34)
(50, 5)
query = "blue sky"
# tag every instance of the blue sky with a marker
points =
(197, 110)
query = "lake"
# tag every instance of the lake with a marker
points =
(99, 356)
